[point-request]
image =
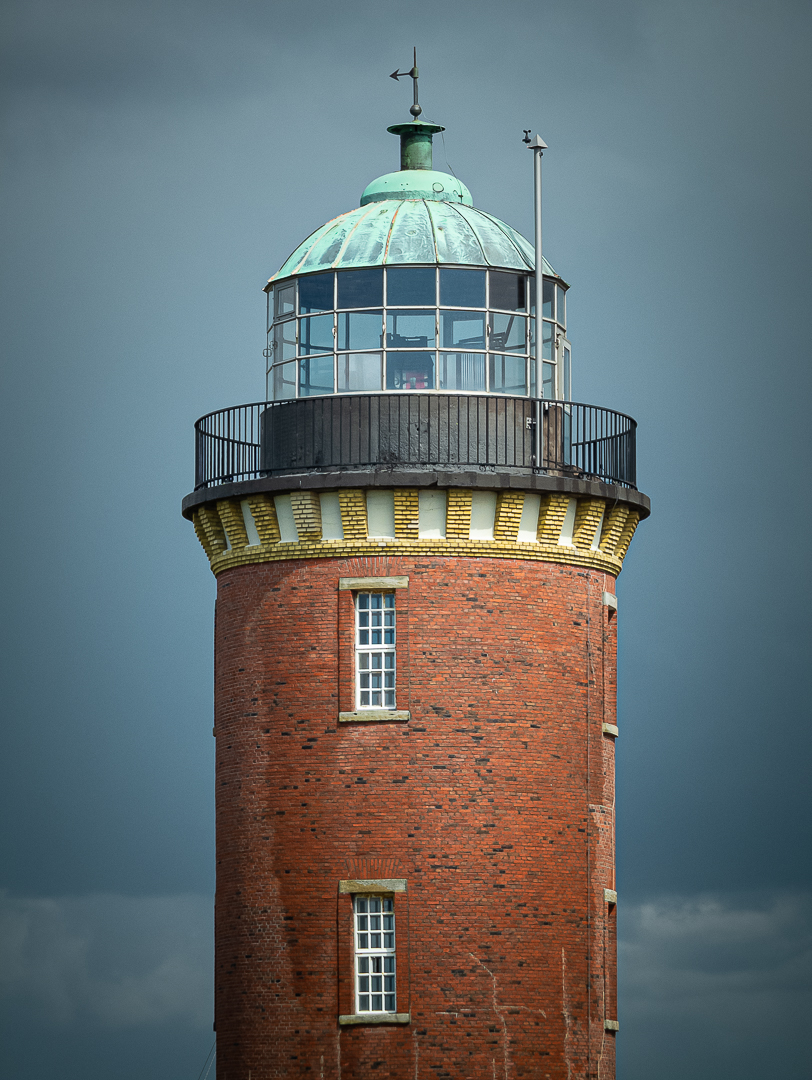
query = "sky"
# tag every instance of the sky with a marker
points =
(160, 161)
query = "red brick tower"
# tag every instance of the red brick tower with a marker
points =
(415, 661)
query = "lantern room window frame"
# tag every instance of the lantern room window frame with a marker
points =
(362, 343)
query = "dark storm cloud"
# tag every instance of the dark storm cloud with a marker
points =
(162, 160)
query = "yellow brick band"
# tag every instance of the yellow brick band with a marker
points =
(213, 520)
(491, 549)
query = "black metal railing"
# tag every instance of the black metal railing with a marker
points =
(416, 431)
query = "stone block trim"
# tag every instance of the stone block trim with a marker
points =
(217, 520)
(353, 505)
(458, 514)
(551, 517)
(407, 525)
(306, 508)
(508, 515)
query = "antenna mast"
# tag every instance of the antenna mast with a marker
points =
(538, 146)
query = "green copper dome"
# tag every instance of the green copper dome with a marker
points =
(417, 184)
(413, 216)
(418, 231)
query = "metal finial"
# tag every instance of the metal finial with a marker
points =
(414, 109)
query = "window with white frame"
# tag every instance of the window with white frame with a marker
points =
(374, 918)
(375, 650)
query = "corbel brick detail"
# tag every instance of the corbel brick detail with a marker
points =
(458, 514)
(552, 512)
(407, 525)
(232, 521)
(587, 518)
(508, 515)
(209, 530)
(353, 505)
(264, 513)
(626, 534)
(306, 508)
(613, 522)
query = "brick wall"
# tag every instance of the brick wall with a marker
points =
(494, 801)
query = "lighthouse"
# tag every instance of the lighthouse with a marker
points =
(416, 537)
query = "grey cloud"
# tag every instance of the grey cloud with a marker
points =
(109, 960)
(733, 971)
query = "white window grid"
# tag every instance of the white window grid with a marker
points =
(375, 642)
(374, 933)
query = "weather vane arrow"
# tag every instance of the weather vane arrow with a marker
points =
(415, 109)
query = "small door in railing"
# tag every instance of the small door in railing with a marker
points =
(557, 436)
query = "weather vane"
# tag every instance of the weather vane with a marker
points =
(415, 109)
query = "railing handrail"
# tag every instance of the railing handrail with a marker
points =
(450, 430)
(400, 393)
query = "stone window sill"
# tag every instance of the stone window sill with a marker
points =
(368, 715)
(376, 1018)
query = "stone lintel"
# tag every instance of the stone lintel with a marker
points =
(372, 885)
(373, 583)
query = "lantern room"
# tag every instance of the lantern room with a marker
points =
(416, 290)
